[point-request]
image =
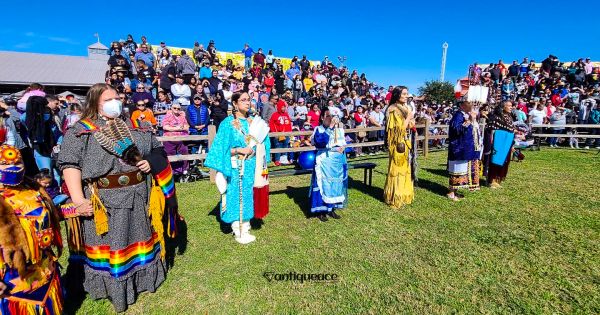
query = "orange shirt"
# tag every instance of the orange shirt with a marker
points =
(145, 115)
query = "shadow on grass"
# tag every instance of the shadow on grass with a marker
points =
(73, 287)
(433, 187)
(436, 171)
(255, 224)
(178, 244)
(373, 191)
(300, 197)
(300, 194)
(224, 227)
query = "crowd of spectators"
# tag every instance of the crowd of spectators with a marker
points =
(184, 92)
(152, 80)
(550, 92)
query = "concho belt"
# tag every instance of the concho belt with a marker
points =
(120, 180)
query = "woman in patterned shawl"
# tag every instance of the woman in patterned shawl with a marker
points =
(499, 141)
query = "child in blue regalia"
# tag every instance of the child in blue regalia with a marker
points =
(329, 182)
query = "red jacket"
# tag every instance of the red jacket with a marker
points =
(259, 58)
(358, 119)
(280, 121)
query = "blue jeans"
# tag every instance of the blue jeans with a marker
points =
(554, 140)
(45, 162)
(247, 63)
(278, 145)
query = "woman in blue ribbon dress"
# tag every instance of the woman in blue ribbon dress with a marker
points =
(232, 155)
(329, 182)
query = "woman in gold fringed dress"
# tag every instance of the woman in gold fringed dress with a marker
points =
(399, 188)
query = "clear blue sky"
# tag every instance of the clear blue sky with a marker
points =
(393, 42)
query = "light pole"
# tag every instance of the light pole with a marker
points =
(444, 53)
(342, 59)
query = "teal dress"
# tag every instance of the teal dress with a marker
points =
(232, 134)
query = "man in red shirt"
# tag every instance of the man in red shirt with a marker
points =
(388, 96)
(280, 122)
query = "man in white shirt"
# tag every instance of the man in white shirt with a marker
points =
(181, 92)
(537, 115)
(319, 78)
(411, 103)
(588, 66)
(376, 119)
(335, 111)
(301, 112)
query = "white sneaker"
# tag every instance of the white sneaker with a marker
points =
(284, 160)
(598, 148)
(587, 147)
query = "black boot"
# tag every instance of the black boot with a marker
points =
(334, 215)
(323, 217)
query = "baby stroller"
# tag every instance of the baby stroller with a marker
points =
(523, 139)
(193, 173)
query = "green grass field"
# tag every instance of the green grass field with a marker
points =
(530, 247)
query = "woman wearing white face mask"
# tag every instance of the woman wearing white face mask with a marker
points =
(106, 164)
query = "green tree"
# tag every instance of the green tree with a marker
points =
(437, 91)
